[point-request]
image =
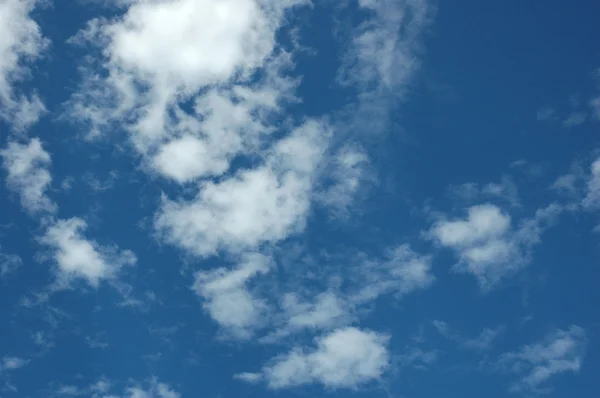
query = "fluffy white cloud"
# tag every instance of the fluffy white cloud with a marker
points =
(486, 244)
(20, 42)
(27, 166)
(164, 57)
(265, 204)
(227, 298)
(403, 272)
(560, 352)
(77, 256)
(344, 358)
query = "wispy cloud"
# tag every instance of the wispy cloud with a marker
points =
(559, 352)
(9, 263)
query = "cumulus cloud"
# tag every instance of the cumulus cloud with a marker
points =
(21, 42)
(79, 257)
(27, 171)
(344, 358)
(227, 298)
(561, 351)
(162, 56)
(255, 206)
(487, 245)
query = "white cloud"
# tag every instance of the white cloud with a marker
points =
(9, 263)
(344, 358)
(227, 298)
(382, 52)
(575, 119)
(105, 389)
(12, 363)
(560, 352)
(486, 244)
(381, 59)
(403, 272)
(20, 43)
(265, 204)
(546, 114)
(484, 341)
(77, 256)
(506, 190)
(347, 171)
(27, 168)
(592, 197)
(187, 52)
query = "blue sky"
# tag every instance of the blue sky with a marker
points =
(225, 198)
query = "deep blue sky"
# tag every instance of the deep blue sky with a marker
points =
(443, 156)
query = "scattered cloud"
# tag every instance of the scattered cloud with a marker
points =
(505, 190)
(487, 246)
(547, 114)
(559, 352)
(402, 272)
(344, 358)
(12, 363)
(484, 341)
(27, 166)
(349, 170)
(9, 263)
(227, 298)
(592, 196)
(21, 42)
(575, 119)
(79, 257)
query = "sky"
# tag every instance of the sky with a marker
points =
(286, 198)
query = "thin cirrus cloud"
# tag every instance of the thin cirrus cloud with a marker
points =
(561, 351)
